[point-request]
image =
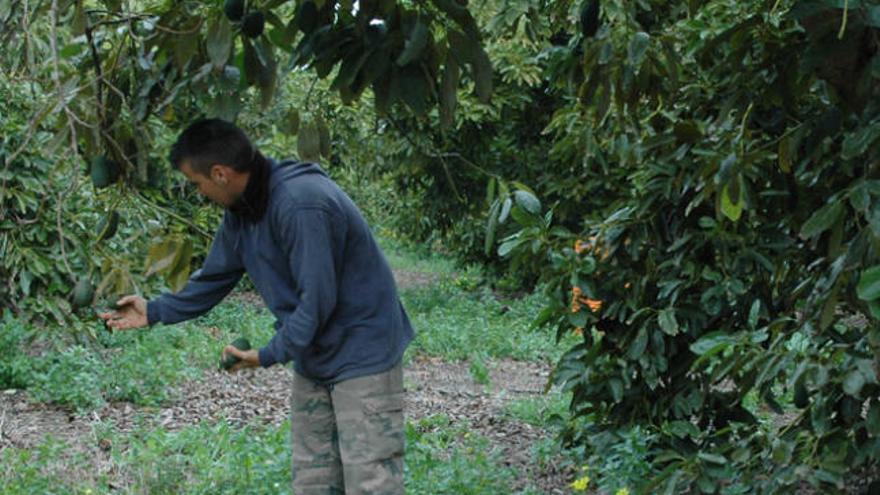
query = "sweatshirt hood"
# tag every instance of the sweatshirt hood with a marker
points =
(288, 169)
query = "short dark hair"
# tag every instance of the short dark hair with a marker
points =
(213, 141)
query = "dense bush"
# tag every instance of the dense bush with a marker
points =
(728, 157)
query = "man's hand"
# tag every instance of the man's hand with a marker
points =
(247, 359)
(131, 312)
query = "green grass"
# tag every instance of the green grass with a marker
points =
(455, 317)
(139, 366)
(403, 256)
(458, 324)
(219, 458)
(539, 410)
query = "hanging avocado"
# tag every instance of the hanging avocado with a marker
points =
(590, 18)
(240, 343)
(801, 396)
(234, 9)
(107, 227)
(252, 25)
(103, 171)
(83, 293)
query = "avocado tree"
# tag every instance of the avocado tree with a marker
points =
(723, 265)
(120, 76)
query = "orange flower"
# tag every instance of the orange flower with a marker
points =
(581, 246)
(578, 331)
(594, 304)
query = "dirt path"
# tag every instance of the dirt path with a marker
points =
(261, 396)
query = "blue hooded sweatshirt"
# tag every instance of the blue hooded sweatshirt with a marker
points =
(314, 261)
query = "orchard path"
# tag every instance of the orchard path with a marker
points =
(261, 396)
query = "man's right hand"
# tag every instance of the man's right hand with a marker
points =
(131, 312)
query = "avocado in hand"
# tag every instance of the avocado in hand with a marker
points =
(240, 343)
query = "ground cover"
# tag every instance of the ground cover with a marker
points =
(149, 412)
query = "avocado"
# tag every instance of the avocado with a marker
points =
(801, 396)
(850, 409)
(252, 25)
(103, 171)
(590, 18)
(234, 9)
(107, 227)
(240, 343)
(83, 293)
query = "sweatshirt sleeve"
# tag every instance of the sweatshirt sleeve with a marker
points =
(206, 287)
(312, 239)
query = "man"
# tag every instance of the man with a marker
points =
(313, 259)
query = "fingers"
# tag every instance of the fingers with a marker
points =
(117, 321)
(233, 351)
(247, 359)
(127, 300)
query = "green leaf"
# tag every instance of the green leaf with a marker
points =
(707, 222)
(639, 344)
(868, 288)
(713, 458)
(668, 323)
(616, 387)
(858, 142)
(732, 210)
(527, 201)
(415, 44)
(682, 429)
(786, 154)
(822, 220)
(578, 319)
(754, 313)
(853, 383)
(507, 246)
(873, 419)
(506, 205)
(712, 343)
(637, 49)
(491, 222)
(874, 308)
(414, 88)
(80, 21)
(860, 197)
(219, 41)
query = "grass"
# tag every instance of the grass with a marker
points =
(458, 324)
(219, 458)
(539, 410)
(456, 319)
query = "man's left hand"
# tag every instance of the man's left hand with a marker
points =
(247, 359)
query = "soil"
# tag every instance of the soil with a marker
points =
(262, 397)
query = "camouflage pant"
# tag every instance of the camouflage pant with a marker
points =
(348, 438)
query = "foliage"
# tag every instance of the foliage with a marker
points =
(447, 458)
(225, 458)
(38, 236)
(461, 325)
(727, 154)
(140, 367)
